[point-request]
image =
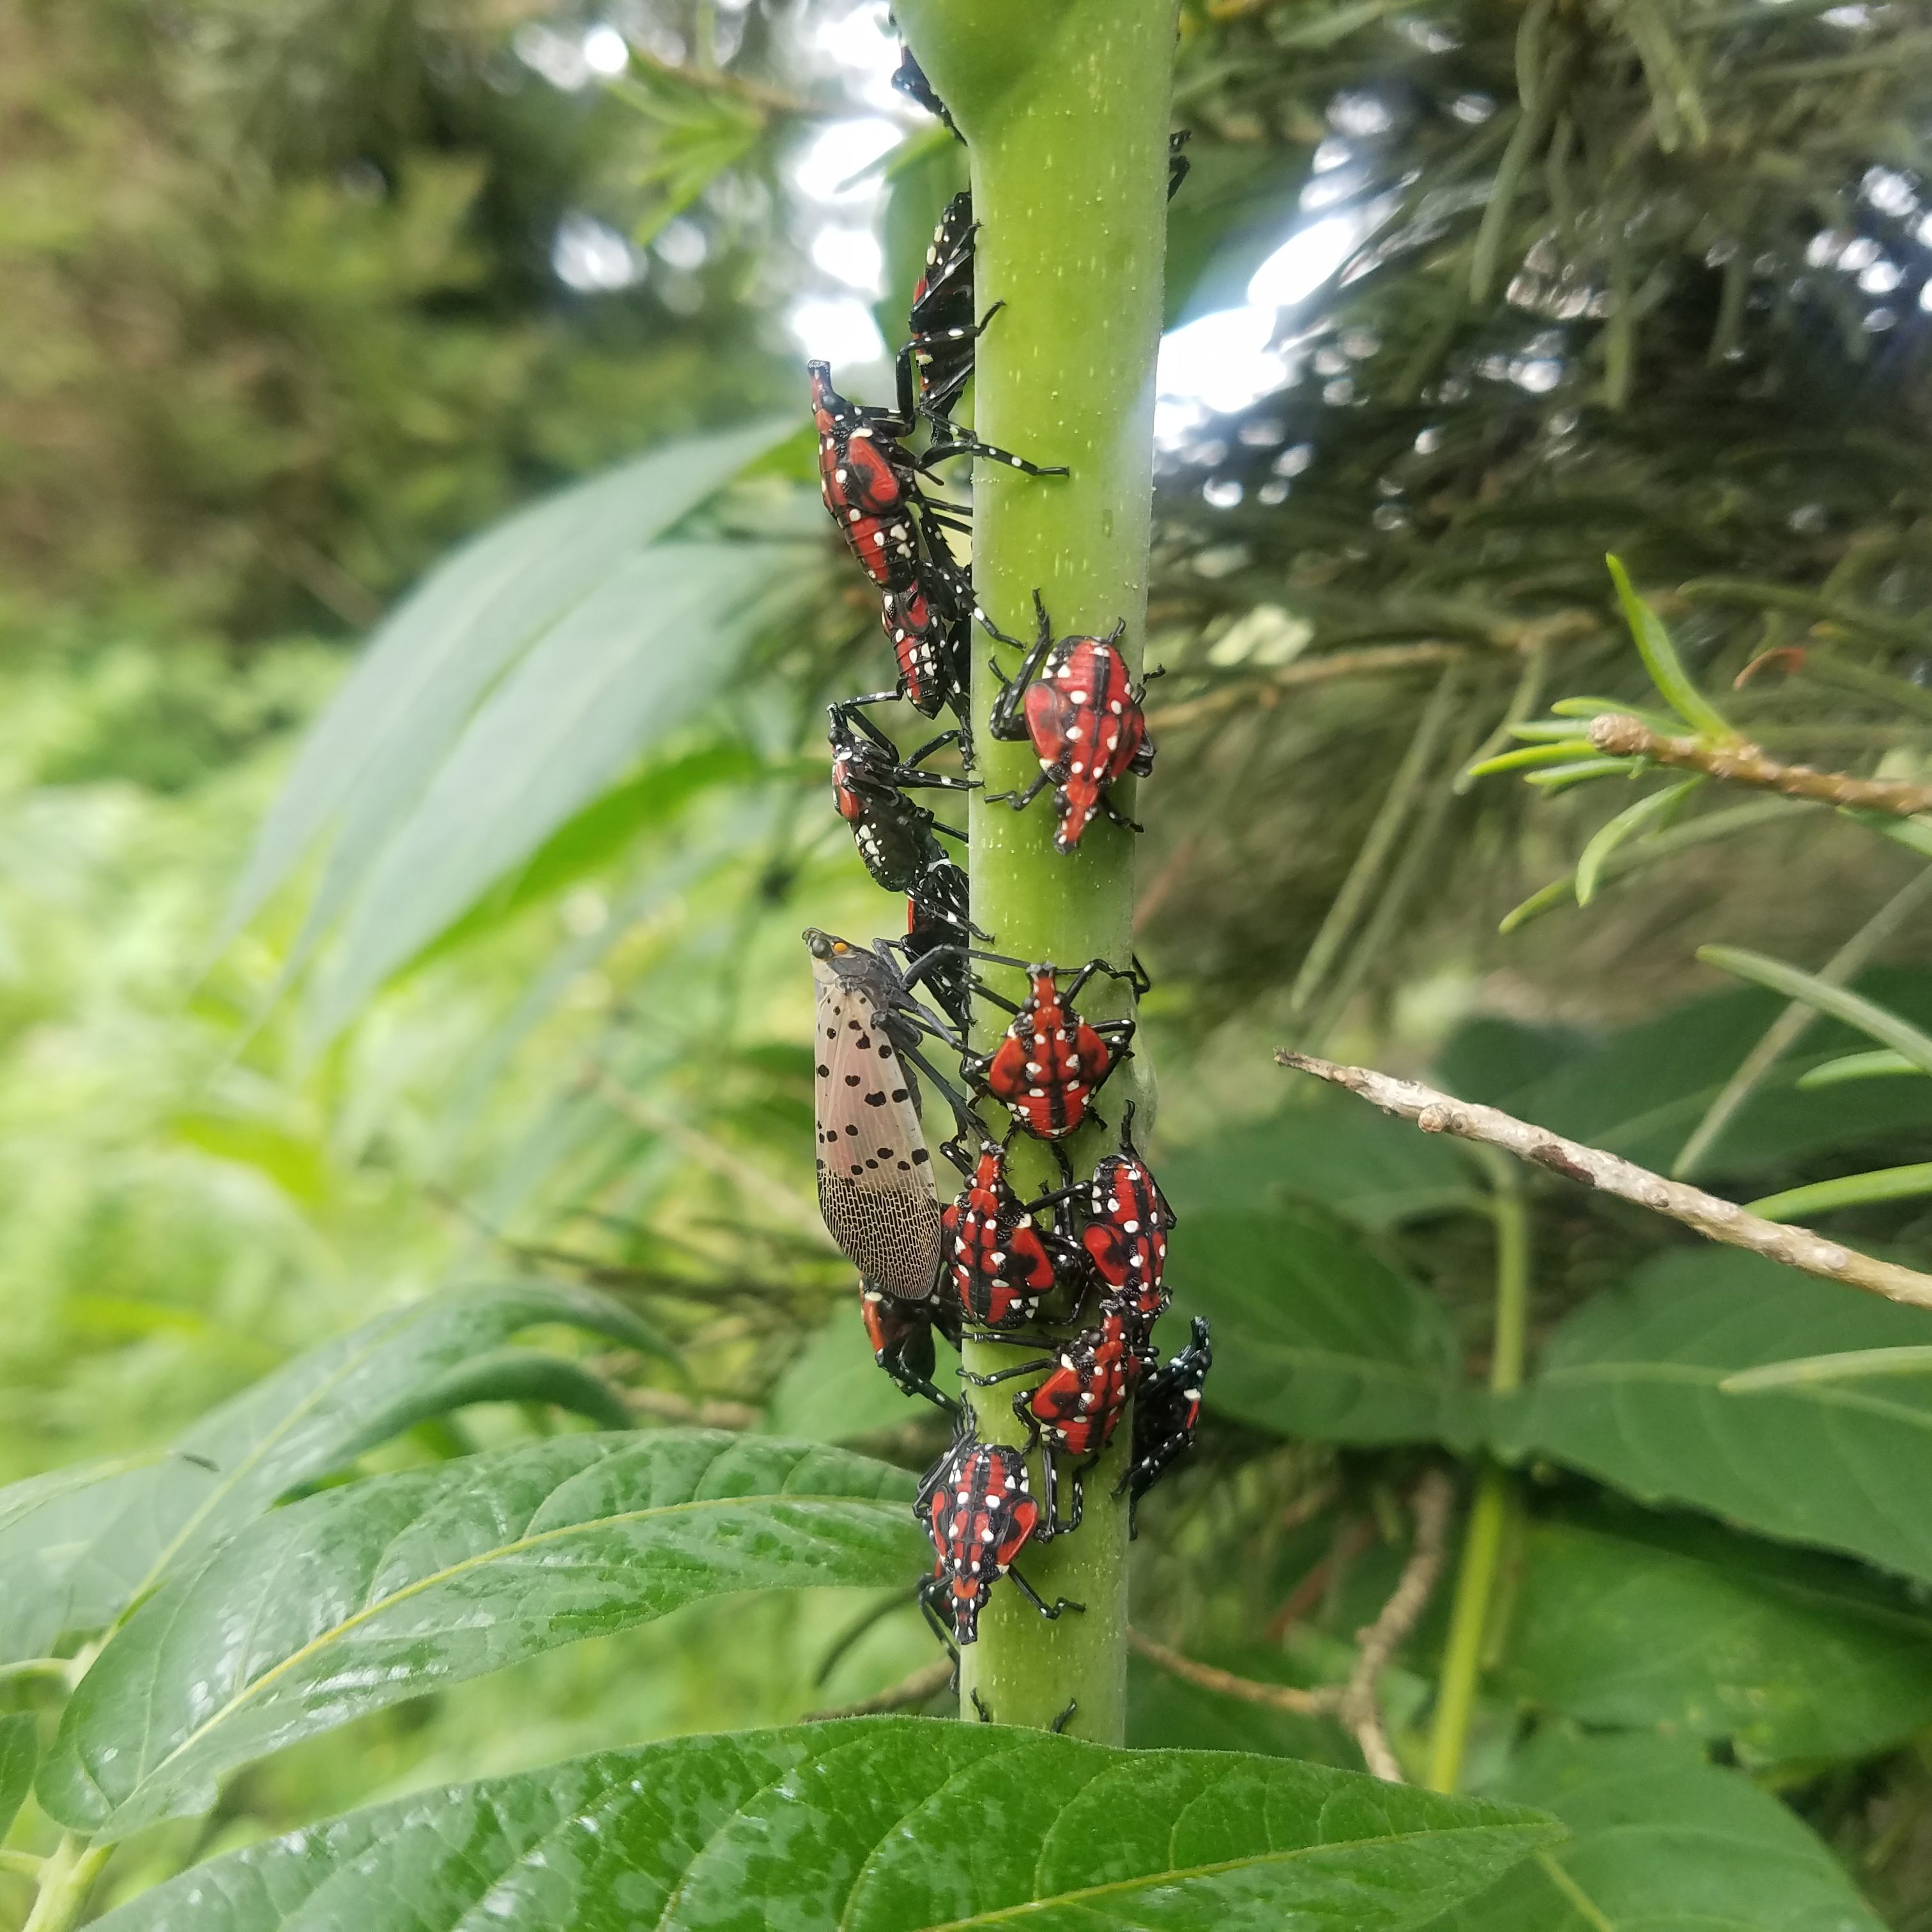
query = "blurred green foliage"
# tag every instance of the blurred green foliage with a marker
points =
(282, 328)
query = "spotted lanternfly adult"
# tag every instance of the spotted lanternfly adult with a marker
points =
(901, 1332)
(1075, 701)
(1051, 1062)
(1165, 1414)
(976, 1506)
(999, 1264)
(875, 1186)
(937, 362)
(1126, 1226)
(869, 782)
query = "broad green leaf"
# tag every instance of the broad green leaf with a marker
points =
(1878, 1065)
(1849, 1190)
(1314, 1334)
(834, 1391)
(641, 654)
(873, 1825)
(1632, 820)
(78, 1547)
(1353, 1161)
(1661, 659)
(431, 659)
(19, 1746)
(354, 1599)
(1628, 1389)
(1840, 1002)
(1628, 1622)
(1663, 1843)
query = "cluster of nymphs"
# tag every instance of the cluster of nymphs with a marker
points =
(983, 1266)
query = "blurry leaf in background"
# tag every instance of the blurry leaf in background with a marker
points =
(78, 1547)
(1624, 1621)
(1640, 1092)
(1349, 1161)
(1316, 1335)
(832, 1390)
(20, 1747)
(875, 1825)
(372, 753)
(1663, 1839)
(1627, 1389)
(638, 657)
(356, 1598)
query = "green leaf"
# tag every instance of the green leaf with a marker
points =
(1849, 1190)
(368, 759)
(78, 1547)
(1629, 1389)
(19, 1746)
(356, 1598)
(1661, 659)
(1712, 825)
(875, 1825)
(834, 1391)
(641, 654)
(1888, 1028)
(1914, 834)
(1633, 819)
(1876, 1065)
(1640, 1092)
(1351, 1160)
(1314, 1334)
(1627, 1622)
(1662, 1842)
(1849, 1365)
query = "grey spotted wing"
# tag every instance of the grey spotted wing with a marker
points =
(875, 1186)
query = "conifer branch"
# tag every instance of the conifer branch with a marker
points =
(1738, 762)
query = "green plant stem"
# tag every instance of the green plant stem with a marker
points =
(66, 1879)
(1482, 1541)
(1064, 110)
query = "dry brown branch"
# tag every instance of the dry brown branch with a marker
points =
(1264, 692)
(1349, 1540)
(1716, 1220)
(922, 1684)
(1740, 763)
(1289, 1697)
(1355, 1702)
(1360, 1709)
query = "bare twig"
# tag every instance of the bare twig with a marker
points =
(1349, 1540)
(1360, 1709)
(1738, 762)
(1289, 1697)
(1716, 1220)
(925, 1682)
(1355, 1702)
(1264, 692)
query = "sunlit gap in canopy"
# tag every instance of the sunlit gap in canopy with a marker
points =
(1224, 362)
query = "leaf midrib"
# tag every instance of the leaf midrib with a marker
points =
(1823, 1394)
(323, 1639)
(1179, 1874)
